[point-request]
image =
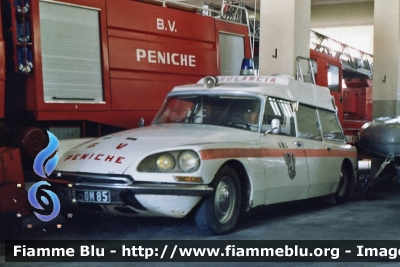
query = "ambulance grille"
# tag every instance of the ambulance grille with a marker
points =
(93, 178)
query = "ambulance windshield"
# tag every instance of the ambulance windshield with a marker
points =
(241, 112)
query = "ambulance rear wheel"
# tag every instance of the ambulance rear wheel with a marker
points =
(219, 212)
(345, 187)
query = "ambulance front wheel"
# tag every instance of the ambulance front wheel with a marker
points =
(219, 212)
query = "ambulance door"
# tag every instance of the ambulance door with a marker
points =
(316, 151)
(284, 160)
(332, 153)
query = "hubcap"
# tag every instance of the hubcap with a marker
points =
(225, 200)
(225, 193)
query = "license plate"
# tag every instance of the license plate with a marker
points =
(93, 196)
(89, 196)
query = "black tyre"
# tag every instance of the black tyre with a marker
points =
(346, 184)
(219, 212)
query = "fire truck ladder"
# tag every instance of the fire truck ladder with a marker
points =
(353, 60)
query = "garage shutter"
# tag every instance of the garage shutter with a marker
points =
(71, 54)
(232, 53)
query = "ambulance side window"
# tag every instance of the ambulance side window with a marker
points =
(308, 124)
(330, 126)
(282, 110)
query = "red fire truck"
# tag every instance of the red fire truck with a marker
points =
(90, 67)
(87, 67)
(347, 72)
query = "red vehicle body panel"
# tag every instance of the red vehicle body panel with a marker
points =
(357, 104)
(354, 102)
(146, 50)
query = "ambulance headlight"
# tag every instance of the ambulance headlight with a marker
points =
(177, 161)
(165, 162)
(188, 161)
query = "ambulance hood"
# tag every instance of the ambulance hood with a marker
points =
(113, 154)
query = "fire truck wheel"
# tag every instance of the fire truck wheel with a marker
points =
(219, 212)
(345, 188)
(32, 141)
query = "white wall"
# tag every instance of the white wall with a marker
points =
(341, 15)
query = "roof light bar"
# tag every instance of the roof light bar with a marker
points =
(247, 67)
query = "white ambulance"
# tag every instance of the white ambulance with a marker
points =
(218, 147)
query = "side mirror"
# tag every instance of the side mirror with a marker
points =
(141, 123)
(275, 127)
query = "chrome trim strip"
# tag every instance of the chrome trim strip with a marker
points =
(75, 176)
(154, 189)
(127, 183)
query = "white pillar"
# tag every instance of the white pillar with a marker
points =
(386, 83)
(284, 35)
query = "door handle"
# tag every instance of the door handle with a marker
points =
(298, 143)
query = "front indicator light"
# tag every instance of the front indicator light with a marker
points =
(165, 162)
(188, 179)
(189, 161)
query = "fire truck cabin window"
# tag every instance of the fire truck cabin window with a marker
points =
(333, 78)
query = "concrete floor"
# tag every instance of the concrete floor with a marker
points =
(360, 219)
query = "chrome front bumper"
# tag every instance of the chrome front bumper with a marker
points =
(84, 181)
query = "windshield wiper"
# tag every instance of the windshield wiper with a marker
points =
(189, 119)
